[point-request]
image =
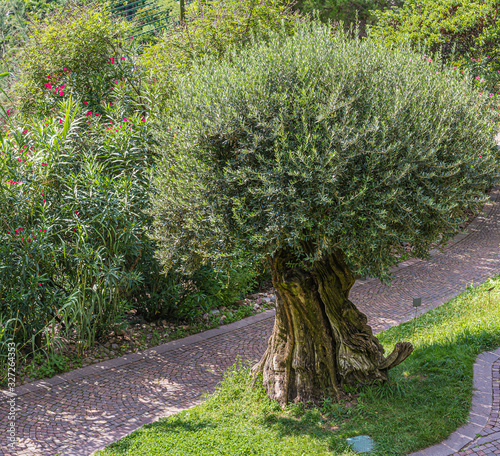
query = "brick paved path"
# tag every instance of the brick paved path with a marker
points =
(79, 412)
(488, 441)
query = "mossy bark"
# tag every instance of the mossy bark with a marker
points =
(321, 341)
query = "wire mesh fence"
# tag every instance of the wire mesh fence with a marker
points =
(150, 16)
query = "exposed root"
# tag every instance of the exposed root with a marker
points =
(401, 351)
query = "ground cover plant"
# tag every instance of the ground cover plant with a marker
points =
(323, 155)
(426, 398)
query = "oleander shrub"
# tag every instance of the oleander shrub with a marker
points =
(80, 52)
(72, 220)
(75, 254)
(464, 32)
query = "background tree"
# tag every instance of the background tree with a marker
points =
(322, 155)
(347, 11)
(466, 33)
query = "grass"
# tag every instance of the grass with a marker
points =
(427, 398)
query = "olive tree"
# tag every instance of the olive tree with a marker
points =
(323, 156)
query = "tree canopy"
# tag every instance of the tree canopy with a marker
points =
(317, 143)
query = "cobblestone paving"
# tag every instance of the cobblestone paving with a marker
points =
(469, 261)
(488, 441)
(78, 415)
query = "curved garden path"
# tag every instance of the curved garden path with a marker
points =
(81, 411)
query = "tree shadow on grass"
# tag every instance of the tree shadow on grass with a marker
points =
(166, 425)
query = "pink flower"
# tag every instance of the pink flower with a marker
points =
(112, 60)
(63, 86)
(144, 120)
(25, 131)
(64, 69)
(44, 231)
(455, 67)
(39, 284)
(60, 121)
(123, 58)
(97, 114)
(61, 93)
(477, 78)
(110, 121)
(76, 212)
(85, 102)
(89, 113)
(40, 231)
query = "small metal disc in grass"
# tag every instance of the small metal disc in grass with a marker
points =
(361, 443)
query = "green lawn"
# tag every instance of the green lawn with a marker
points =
(427, 398)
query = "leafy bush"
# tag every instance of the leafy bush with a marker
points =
(212, 27)
(319, 142)
(346, 11)
(74, 245)
(73, 227)
(466, 33)
(80, 52)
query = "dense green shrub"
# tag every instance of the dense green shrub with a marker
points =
(360, 12)
(73, 227)
(320, 142)
(80, 52)
(465, 32)
(74, 247)
(211, 28)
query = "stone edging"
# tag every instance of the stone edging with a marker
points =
(482, 401)
(133, 357)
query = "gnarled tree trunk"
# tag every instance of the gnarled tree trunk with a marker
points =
(320, 341)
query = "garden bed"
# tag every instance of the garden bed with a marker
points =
(135, 334)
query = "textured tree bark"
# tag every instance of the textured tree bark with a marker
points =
(320, 341)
